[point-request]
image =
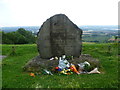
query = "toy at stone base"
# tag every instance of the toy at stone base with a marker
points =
(71, 68)
(56, 67)
(66, 72)
(59, 69)
(94, 71)
(74, 68)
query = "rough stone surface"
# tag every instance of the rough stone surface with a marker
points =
(57, 36)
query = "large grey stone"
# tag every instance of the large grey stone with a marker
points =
(57, 36)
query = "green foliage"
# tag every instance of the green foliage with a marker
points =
(5, 39)
(21, 36)
(22, 31)
(87, 67)
(14, 77)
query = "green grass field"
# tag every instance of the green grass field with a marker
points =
(14, 77)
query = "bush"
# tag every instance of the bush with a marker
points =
(21, 36)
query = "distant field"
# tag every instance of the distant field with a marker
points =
(14, 77)
(91, 33)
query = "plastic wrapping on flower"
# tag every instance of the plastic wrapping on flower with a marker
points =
(63, 63)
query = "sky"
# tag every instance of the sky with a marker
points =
(35, 12)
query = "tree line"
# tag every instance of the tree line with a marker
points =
(21, 36)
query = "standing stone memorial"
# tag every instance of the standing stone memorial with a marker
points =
(57, 36)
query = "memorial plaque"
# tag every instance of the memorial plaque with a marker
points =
(57, 36)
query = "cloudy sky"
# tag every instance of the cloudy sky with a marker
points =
(35, 12)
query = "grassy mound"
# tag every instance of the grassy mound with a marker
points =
(14, 77)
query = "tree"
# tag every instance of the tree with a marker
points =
(5, 39)
(21, 36)
(20, 39)
(22, 31)
(30, 38)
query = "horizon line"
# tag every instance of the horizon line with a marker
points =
(40, 25)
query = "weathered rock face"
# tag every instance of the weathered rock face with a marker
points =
(57, 36)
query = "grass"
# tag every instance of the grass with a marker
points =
(14, 77)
